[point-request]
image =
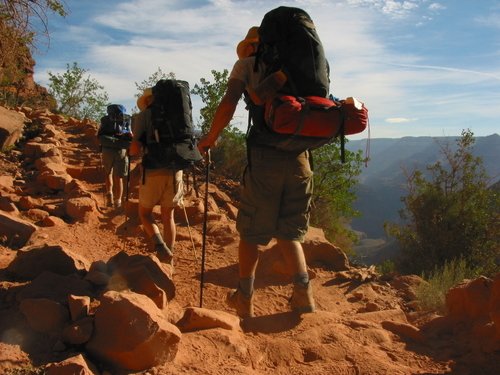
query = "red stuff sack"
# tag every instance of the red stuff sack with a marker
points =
(311, 116)
(355, 116)
(312, 121)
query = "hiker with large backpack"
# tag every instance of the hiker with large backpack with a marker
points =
(164, 132)
(277, 183)
(115, 136)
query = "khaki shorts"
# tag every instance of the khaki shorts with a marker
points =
(275, 198)
(115, 160)
(161, 186)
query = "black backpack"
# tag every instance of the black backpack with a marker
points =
(172, 143)
(115, 130)
(288, 41)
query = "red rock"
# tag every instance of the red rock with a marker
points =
(149, 342)
(73, 365)
(44, 315)
(196, 318)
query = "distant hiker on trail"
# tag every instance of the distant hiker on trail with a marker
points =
(163, 130)
(115, 136)
(276, 186)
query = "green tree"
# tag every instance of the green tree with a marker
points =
(211, 94)
(22, 23)
(449, 214)
(78, 95)
(334, 195)
(229, 157)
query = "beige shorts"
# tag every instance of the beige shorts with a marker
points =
(162, 187)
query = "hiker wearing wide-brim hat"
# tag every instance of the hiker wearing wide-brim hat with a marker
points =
(261, 215)
(162, 186)
(248, 46)
(145, 99)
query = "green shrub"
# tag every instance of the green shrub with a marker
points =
(386, 267)
(450, 212)
(432, 293)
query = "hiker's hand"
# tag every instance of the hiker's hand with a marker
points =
(205, 144)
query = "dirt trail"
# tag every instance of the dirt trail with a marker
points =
(345, 336)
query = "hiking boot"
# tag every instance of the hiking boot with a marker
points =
(302, 300)
(241, 303)
(164, 254)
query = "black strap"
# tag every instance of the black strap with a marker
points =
(341, 133)
(342, 143)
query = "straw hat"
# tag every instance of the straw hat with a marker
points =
(145, 99)
(252, 37)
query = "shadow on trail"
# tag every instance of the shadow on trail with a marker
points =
(274, 323)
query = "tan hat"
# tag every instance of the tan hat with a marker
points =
(145, 99)
(252, 37)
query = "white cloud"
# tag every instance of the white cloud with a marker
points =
(399, 120)
(490, 20)
(436, 7)
(128, 43)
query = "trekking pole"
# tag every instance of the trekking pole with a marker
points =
(189, 230)
(205, 215)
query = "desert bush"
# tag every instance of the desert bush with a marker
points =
(432, 293)
(78, 95)
(450, 212)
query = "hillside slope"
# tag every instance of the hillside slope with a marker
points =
(382, 182)
(364, 324)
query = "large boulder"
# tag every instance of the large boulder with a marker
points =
(495, 304)
(80, 209)
(142, 274)
(33, 261)
(150, 341)
(11, 127)
(317, 249)
(55, 287)
(34, 150)
(470, 299)
(44, 315)
(17, 231)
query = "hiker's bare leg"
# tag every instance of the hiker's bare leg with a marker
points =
(108, 183)
(248, 254)
(117, 187)
(241, 299)
(169, 228)
(302, 299)
(147, 221)
(294, 256)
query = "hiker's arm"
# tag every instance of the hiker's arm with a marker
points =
(137, 128)
(224, 113)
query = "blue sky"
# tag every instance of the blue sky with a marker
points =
(422, 67)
